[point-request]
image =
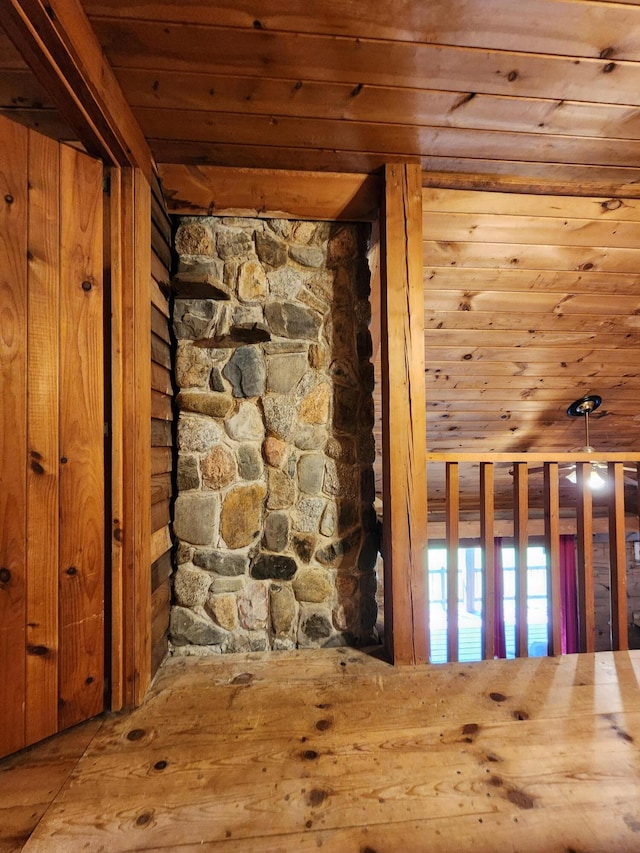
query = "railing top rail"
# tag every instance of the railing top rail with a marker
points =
(536, 457)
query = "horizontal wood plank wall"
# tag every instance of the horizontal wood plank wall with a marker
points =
(161, 430)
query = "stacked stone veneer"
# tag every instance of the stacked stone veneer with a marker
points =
(274, 516)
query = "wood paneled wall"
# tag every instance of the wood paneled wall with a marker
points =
(161, 429)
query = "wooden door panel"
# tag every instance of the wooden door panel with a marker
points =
(51, 438)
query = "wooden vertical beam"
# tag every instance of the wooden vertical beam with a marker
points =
(618, 558)
(487, 536)
(136, 427)
(13, 430)
(453, 543)
(521, 542)
(552, 547)
(41, 701)
(584, 543)
(404, 417)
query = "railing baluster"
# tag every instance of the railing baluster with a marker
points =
(487, 543)
(584, 542)
(552, 546)
(453, 539)
(521, 541)
(617, 558)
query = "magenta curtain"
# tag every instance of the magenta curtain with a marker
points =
(568, 596)
(499, 641)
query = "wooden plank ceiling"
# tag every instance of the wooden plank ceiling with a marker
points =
(530, 300)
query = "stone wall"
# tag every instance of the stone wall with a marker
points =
(274, 516)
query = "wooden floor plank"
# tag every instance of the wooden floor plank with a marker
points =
(337, 750)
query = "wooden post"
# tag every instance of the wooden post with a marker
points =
(521, 542)
(453, 543)
(618, 558)
(487, 518)
(552, 547)
(404, 418)
(584, 542)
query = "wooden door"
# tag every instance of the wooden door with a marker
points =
(51, 437)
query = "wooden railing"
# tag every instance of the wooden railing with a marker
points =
(550, 525)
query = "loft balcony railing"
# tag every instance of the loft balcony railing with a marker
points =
(550, 471)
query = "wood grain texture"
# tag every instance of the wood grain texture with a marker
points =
(529, 755)
(552, 553)
(487, 537)
(453, 542)
(81, 566)
(521, 543)
(617, 558)
(404, 432)
(584, 550)
(13, 430)
(41, 700)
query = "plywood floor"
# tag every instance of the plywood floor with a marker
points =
(336, 750)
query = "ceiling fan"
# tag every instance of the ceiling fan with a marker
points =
(582, 408)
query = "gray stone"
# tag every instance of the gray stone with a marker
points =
(191, 586)
(336, 554)
(226, 585)
(253, 606)
(188, 474)
(199, 267)
(283, 608)
(216, 382)
(310, 437)
(282, 347)
(304, 546)
(241, 516)
(248, 315)
(307, 514)
(312, 585)
(187, 626)
(222, 562)
(282, 227)
(284, 283)
(281, 490)
(232, 243)
(280, 415)
(250, 466)
(246, 424)
(192, 365)
(276, 531)
(342, 447)
(315, 626)
(270, 250)
(248, 641)
(245, 371)
(329, 521)
(289, 320)
(218, 468)
(197, 434)
(273, 566)
(183, 553)
(345, 408)
(205, 403)
(310, 473)
(193, 238)
(321, 285)
(252, 282)
(196, 518)
(285, 371)
(308, 256)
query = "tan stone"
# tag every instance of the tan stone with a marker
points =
(218, 468)
(210, 403)
(282, 490)
(283, 609)
(312, 585)
(193, 238)
(241, 519)
(314, 409)
(252, 282)
(224, 610)
(253, 606)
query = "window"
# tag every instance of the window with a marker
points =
(470, 602)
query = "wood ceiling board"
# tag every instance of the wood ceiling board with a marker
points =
(542, 26)
(549, 231)
(413, 64)
(517, 177)
(534, 282)
(522, 320)
(543, 206)
(523, 256)
(484, 308)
